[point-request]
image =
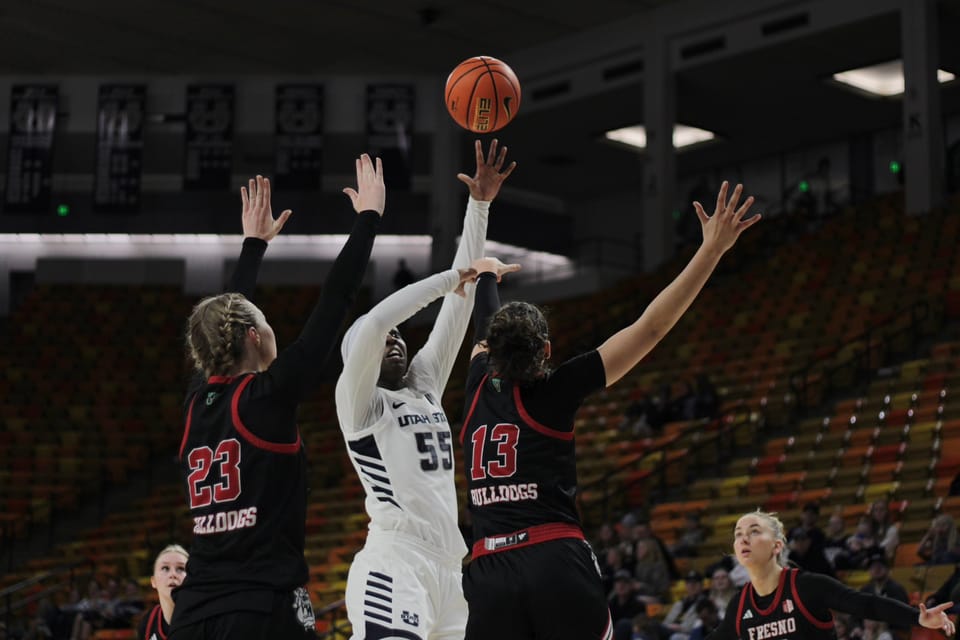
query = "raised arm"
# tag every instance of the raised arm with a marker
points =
(259, 228)
(299, 365)
(363, 346)
(622, 351)
(432, 365)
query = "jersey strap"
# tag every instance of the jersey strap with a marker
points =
(156, 616)
(525, 538)
(186, 429)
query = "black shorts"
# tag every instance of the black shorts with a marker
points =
(550, 590)
(291, 619)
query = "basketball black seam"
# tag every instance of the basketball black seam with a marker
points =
(496, 98)
(461, 77)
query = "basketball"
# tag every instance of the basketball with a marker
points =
(482, 94)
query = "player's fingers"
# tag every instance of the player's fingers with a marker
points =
(258, 201)
(701, 213)
(478, 151)
(735, 198)
(722, 196)
(282, 220)
(510, 168)
(501, 157)
(244, 198)
(465, 179)
(738, 215)
(353, 195)
(743, 225)
(378, 169)
(492, 154)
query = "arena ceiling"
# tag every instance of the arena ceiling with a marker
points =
(759, 103)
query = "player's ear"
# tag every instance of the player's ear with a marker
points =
(153, 582)
(546, 350)
(254, 336)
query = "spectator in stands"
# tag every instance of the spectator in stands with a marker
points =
(881, 584)
(89, 612)
(606, 538)
(642, 531)
(808, 524)
(690, 540)
(403, 275)
(623, 601)
(862, 544)
(645, 628)
(169, 570)
(844, 627)
(939, 543)
(709, 617)
(886, 531)
(876, 630)
(650, 572)
(124, 607)
(613, 563)
(835, 542)
(638, 414)
(721, 590)
(806, 556)
(682, 617)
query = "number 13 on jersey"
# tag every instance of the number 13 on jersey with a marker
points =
(503, 440)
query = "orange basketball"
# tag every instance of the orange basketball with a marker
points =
(482, 94)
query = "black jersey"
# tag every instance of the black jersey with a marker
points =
(800, 609)
(521, 472)
(784, 617)
(242, 459)
(153, 626)
(247, 495)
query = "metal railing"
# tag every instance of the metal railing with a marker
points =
(14, 597)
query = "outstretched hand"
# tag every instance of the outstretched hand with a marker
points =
(258, 220)
(936, 618)
(370, 194)
(722, 229)
(494, 266)
(466, 275)
(485, 184)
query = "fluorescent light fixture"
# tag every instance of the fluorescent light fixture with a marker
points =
(636, 136)
(884, 80)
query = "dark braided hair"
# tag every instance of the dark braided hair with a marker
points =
(517, 342)
(216, 330)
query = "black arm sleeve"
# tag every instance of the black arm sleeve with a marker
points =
(822, 592)
(243, 281)
(297, 367)
(244, 278)
(487, 303)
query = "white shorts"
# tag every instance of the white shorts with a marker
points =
(400, 590)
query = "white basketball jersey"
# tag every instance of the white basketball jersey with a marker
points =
(405, 462)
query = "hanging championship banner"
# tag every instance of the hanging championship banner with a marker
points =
(121, 112)
(390, 131)
(209, 137)
(298, 129)
(33, 122)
